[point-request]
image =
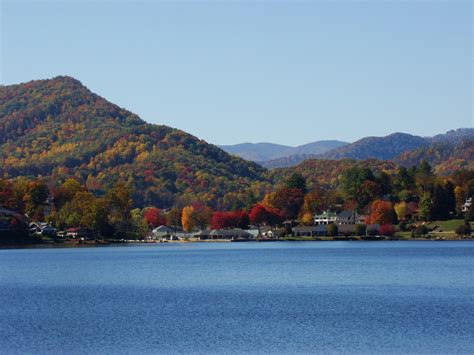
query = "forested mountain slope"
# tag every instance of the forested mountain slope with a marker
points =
(58, 128)
(446, 158)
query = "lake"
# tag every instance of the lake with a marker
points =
(281, 297)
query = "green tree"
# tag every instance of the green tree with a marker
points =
(296, 181)
(424, 177)
(119, 202)
(450, 198)
(66, 192)
(404, 180)
(35, 197)
(174, 217)
(359, 185)
(438, 210)
(425, 206)
(140, 225)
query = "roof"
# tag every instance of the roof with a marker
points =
(230, 232)
(204, 232)
(319, 228)
(165, 229)
(326, 214)
(346, 214)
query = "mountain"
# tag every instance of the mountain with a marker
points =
(58, 129)
(262, 152)
(257, 151)
(454, 136)
(383, 148)
(445, 157)
(387, 148)
(286, 162)
(318, 147)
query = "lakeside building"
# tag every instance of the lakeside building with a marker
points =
(42, 228)
(270, 232)
(163, 231)
(339, 218)
(231, 234)
(321, 230)
(467, 205)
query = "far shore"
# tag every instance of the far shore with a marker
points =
(100, 242)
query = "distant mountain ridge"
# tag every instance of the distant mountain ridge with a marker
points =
(382, 148)
(388, 147)
(260, 152)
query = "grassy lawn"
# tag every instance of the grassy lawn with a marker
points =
(446, 226)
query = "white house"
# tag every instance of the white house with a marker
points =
(326, 217)
(467, 205)
(344, 217)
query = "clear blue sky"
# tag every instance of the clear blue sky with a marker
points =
(231, 72)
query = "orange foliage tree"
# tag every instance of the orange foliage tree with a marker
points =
(382, 212)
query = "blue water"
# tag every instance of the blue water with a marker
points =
(301, 297)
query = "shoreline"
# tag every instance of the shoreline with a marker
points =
(105, 243)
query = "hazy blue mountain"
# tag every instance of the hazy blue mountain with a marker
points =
(394, 146)
(261, 152)
(286, 162)
(454, 136)
(384, 148)
(257, 151)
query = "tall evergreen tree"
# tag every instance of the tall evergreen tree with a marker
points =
(450, 199)
(438, 203)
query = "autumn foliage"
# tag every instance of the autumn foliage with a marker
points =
(387, 230)
(154, 217)
(230, 219)
(262, 215)
(382, 212)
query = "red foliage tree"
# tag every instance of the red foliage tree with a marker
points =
(265, 215)
(286, 200)
(382, 212)
(154, 217)
(227, 219)
(387, 229)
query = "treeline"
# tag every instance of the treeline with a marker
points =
(71, 205)
(385, 198)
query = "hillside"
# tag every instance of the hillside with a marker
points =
(58, 128)
(454, 136)
(286, 162)
(327, 173)
(383, 148)
(446, 158)
(263, 152)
